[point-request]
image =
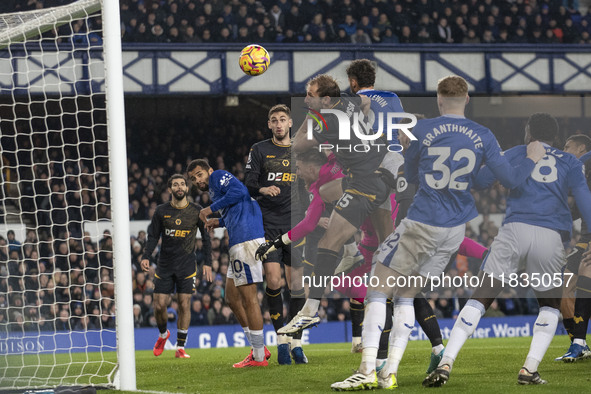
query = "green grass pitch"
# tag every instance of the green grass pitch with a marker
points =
(483, 366)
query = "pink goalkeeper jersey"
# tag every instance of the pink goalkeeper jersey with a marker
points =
(330, 171)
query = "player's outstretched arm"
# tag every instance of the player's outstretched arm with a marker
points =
(513, 176)
(484, 179)
(309, 222)
(154, 230)
(232, 192)
(271, 246)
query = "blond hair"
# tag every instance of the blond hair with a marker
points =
(452, 86)
(327, 85)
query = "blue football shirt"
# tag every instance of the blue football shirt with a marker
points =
(382, 102)
(241, 214)
(542, 200)
(444, 161)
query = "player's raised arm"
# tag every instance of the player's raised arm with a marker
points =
(486, 178)
(513, 176)
(154, 231)
(229, 187)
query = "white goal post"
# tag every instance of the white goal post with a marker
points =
(66, 313)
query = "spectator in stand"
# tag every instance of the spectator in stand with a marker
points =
(349, 25)
(406, 35)
(471, 37)
(375, 37)
(314, 27)
(444, 34)
(361, 37)
(389, 37)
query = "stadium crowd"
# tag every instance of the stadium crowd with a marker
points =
(350, 21)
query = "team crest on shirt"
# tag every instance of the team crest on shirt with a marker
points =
(225, 180)
(178, 222)
(285, 163)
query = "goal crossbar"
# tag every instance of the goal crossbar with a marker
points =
(17, 27)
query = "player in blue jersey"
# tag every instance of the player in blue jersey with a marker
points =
(242, 217)
(443, 161)
(362, 76)
(537, 222)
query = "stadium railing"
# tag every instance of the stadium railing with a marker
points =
(164, 69)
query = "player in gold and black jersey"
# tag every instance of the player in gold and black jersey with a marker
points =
(177, 222)
(576, 298)
(269, 177)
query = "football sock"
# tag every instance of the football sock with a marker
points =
(373, 324)
(427, 320)
(471, 248)
(350, 248)
(275, 302)
(385, 337)
(162, 330)
(247, 334)
(544, 329)
(569, 325)
(258, 345)
(296, 343)
(582, 308)
(298, 298)
(403, 324)
(464, 326)
(311, 306)
(181, 338)
(357, 311)
(368, 360)
(282, 339)
(326, 263)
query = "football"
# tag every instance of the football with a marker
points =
(254, 60)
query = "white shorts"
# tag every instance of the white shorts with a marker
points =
(419, 248)
(244, 268)
(518, 247)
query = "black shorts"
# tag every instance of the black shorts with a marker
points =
(361, 196)
(405, 194)
(166, 281)
(573, 260)
(282, 255)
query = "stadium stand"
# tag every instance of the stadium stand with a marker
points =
(328, 21)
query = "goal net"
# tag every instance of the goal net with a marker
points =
(57, 262)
